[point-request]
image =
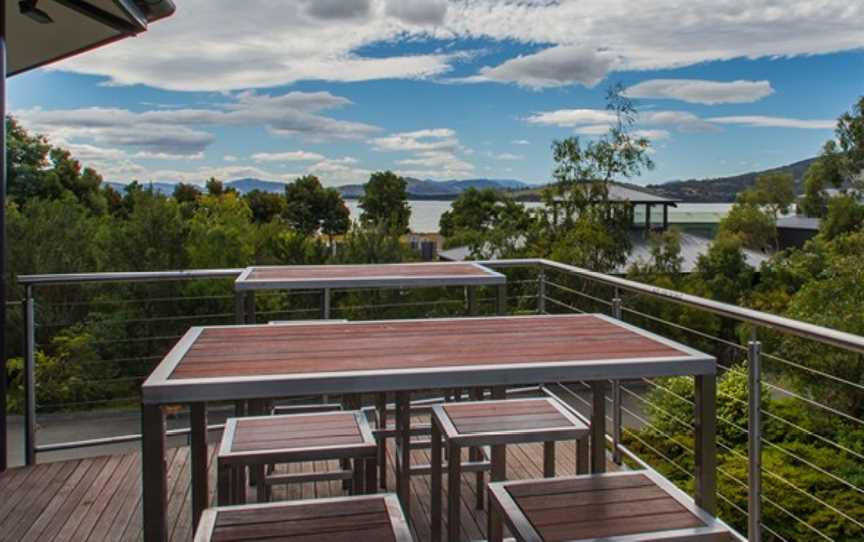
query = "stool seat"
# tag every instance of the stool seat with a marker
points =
(619, 506)
(296, 437)
(492, 424)
(260, 441)
(508, 421)
(341, 519)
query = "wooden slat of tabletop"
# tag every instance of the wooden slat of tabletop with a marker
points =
(363, 271)
(394, 345)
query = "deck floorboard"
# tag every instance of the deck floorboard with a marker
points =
(99, 499)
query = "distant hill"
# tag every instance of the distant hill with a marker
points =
(417, 188)
(724, 189)
(440, 190)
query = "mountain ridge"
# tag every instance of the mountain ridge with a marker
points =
(708, 190)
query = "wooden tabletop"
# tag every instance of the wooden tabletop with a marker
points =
(247, 362)
(373, 517)
(620, 506)
(403, 275)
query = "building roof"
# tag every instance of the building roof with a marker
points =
(620, 193)
(692, 246)
(795, 222)
(68, 28)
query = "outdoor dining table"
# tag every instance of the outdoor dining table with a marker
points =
(346, 277)
(228, 363)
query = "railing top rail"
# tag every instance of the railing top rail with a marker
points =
(822, 334)
(131, 276)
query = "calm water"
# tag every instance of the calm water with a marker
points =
(425, 214)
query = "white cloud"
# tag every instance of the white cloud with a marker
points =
(759, 121)
(572, 117)
(435, 153)
(701, 91)
(509, 156)
(230, 158)
(173, 133)
(654, 135)
(552, 67)
(290, 156)
(520, 142)
(227, 45)
(418, 12)
(420, 140)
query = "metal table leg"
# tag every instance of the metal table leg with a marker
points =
(598, 427)
(154, 480)
(706, 443)
(198, 450)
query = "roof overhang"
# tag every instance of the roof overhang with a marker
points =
(77, 26)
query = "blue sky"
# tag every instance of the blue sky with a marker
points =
(449, 89)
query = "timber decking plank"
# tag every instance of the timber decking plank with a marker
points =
(70, 496)
(32, 511)
(124, 475)
(81, 516)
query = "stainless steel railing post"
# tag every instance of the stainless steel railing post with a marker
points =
(616, 394)
(29, 377)
(541, 292)
(754, 441)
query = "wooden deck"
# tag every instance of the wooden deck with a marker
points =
(99, 498)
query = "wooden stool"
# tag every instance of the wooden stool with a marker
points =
(341, 519)
(264, 440)
(495, 424)
(615, 506)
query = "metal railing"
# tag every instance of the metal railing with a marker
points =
(541, 286)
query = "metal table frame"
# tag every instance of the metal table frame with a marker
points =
(159, 390)
(245, 287)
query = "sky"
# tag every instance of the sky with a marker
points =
(439, 89)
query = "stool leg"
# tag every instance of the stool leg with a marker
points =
(224, 477)
(454, 480)
(403, 459)
(260, 486)
(239, 492)
(382, 442)
(549, 459)
(476, 454)
(494, 529)
(582, 456)
(371, 485)
(436, 481)
(357, 480)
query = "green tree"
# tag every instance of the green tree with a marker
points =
(755, 228)
(335, 215)
(265, 206)
(473, 210)
(186, 193)
(844, 215)
(27, 163)
(311, 208)
(217, 188)
(774, 191)
(385, 201)
(723, 273)
(221, 233)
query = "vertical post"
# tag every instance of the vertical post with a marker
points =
(403, 450)
(250, 307)
(616, 394)
(502, 299)
(647, 219)
(198, 451)
(29, 378)
(240, 307)
(541, 292)
(4, 447)
(598, 426)
(754, 442)
(471, 294)
(325, 304)
(154, 481)
(706, 442)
